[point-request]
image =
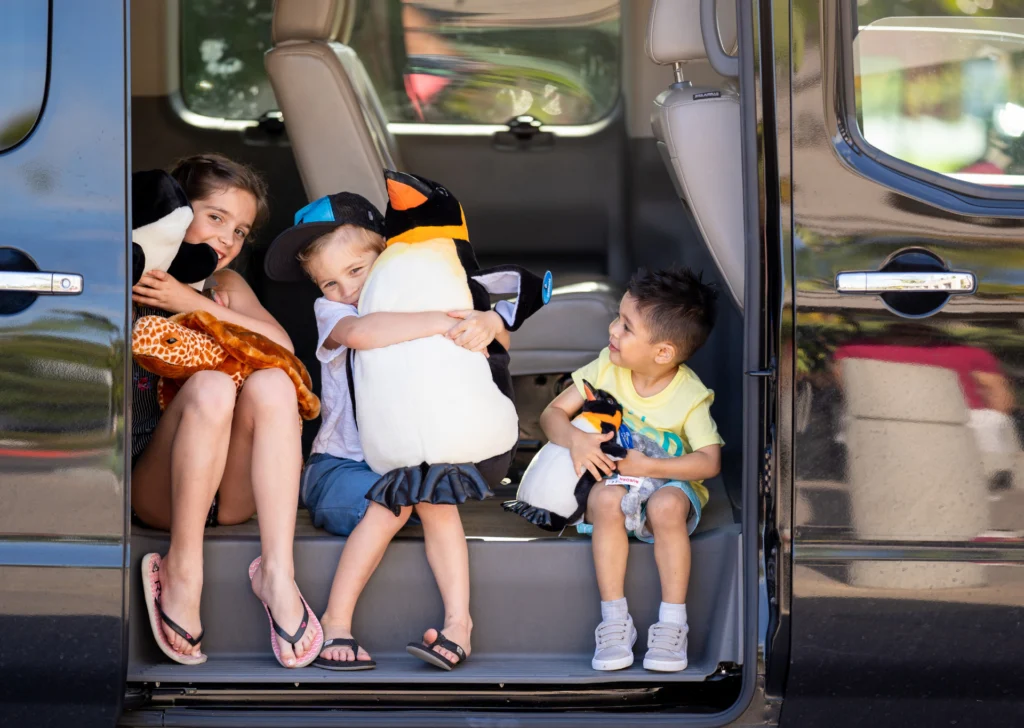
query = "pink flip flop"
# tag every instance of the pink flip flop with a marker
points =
(309, 620)
(151, 564)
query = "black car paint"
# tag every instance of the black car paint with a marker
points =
(836, 654)
(898, 620)
(62, 360)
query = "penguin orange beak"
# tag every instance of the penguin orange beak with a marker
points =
(403, 196)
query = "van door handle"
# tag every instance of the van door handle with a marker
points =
(949, 282)
(43, 283)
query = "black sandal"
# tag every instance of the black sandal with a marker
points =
(340, 665)
(428, 654)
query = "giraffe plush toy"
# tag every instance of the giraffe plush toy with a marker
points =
(175, 348)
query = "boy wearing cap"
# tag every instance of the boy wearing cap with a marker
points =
(335, 241)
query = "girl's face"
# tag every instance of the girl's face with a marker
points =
(223, 220)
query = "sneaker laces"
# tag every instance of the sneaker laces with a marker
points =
(667, 636)
(613, 632)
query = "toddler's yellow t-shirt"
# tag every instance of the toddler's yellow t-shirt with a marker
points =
(678, 417)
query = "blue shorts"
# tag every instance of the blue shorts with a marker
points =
(644, 534)
(334, 490)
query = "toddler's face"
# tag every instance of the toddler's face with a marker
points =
(340, 269)
(629, 340)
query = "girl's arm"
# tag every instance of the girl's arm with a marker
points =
(160, 289)
(377, 330)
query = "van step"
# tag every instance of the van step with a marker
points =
(534, 605)
(399, 669)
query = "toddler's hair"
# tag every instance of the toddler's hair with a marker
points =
(677, 307)
(202, 175)
(347, 234)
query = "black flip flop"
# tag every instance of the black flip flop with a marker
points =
(428, 654)
(340, 665)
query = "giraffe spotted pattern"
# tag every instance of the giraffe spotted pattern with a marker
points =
(176, 348)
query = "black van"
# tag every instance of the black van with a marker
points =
(850, 172)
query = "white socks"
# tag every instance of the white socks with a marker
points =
(615, 609)
(671, 613)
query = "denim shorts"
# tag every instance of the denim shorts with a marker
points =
(644, 534)
(334, 491)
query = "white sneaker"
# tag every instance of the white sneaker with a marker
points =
(615, 639)
(666, 647)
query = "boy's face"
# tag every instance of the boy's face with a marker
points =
(340, 269)
(629, 340)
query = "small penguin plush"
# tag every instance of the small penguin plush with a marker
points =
(438, 420)
(161, 214)
(551, 495)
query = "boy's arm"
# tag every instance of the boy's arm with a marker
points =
(697, 465)
(584, 448)
(377, 330)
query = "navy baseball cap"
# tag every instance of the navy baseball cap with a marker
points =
(315, 219)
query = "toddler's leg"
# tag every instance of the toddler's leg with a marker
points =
(615, 635)
(448, 555)
(667, 512)
(363, 552)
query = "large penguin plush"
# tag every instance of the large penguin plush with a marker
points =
(161, 214)
(438, 420)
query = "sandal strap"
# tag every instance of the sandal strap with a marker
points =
(342, 642)
(447, 644)
(177, 628)
(292, 639)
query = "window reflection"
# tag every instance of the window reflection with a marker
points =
(24, 51)
(941, 85)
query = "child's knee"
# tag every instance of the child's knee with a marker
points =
(668, 507)
(436, 511)
(605, 501)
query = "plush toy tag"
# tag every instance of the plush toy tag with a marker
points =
(626, 481)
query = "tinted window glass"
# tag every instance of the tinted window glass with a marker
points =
(434, 61)
(940, 84)
(24, 53)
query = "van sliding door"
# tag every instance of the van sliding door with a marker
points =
(63, 304)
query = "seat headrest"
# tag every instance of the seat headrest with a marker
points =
(673, 30)
(308, 20)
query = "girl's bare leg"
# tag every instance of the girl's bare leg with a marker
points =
(448, 555)
(173, 484)
(363, 551)
(262, 474)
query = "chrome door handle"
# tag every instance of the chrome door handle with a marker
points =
(948, 282)
(44, 283)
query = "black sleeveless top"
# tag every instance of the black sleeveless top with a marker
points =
(145, 407)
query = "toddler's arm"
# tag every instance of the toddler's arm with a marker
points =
(377, 330)
(477, 329)
(584, 448)
(697, 465)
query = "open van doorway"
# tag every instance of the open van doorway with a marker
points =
(591, 192)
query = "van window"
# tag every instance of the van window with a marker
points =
(431, 61)
(941, 85)
(24, 55)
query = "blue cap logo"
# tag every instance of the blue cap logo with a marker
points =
(316, 211)
(545, 291)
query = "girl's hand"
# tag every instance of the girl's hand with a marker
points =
(635, 464)
(476, 330)
(221, 298)
(160, 290)
(586, 454)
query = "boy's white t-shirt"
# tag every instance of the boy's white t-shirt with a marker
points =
(338, 435)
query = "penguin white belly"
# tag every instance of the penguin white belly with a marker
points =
(550, 479)
(427, 400)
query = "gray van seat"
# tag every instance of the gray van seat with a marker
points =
(341, 141)
(698, 133)
(335, 121)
